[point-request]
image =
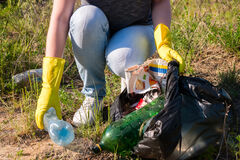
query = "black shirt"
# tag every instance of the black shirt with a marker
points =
(123, 13)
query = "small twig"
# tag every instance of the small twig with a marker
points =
(224, 132)
(69, 66)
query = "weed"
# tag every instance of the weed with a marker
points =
(197, 25)
(237, 151)
(22, 37)
(20, 153)
(230, 81)
(25, 123)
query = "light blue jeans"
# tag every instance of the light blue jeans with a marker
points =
(93, 48)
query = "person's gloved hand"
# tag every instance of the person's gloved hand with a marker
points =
(163, 44)
(52, 75)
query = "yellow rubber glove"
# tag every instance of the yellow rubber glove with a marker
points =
(52, 75)
(163, 44)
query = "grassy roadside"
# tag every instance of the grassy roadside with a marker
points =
(196, 26)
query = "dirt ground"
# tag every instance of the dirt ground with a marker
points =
(207, 65)
(46, 149)
(213, 61)
(41, 147)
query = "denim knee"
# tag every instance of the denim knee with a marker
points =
(87, 20)
(128, 47)
(117, 64)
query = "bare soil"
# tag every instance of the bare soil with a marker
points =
(40, 146)
(46, 149)
(213, 61)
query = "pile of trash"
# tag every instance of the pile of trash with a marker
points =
(165, 116)
(159, 115)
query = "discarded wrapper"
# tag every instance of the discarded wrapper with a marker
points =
(158, 69)
(148, 98)
(142, 78)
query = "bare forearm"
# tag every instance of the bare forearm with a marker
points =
(58, 28)
(56, 38)
(161, 12)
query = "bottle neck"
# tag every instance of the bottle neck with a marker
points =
(99, 146)
(49, 117)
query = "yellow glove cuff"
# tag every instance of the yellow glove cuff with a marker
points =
(52, 72)
(162, 36)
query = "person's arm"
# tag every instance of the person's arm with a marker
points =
(53, 64)
(58, 27)
(161, 15)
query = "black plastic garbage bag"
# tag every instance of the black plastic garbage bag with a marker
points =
(191, 120)
(195, 106)
(126, 103)
(164, 131)
(122, 103)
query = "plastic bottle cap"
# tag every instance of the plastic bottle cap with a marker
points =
(96, 148)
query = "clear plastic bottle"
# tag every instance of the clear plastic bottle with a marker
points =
(60, 131)
(35, 75)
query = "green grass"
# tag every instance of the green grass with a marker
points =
(19, 153)
(23, 34)
(237, 152)
(230, 81)
(196, 25)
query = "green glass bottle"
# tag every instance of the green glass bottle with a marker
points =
(122, 135)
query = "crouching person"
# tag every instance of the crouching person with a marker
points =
(115, 33)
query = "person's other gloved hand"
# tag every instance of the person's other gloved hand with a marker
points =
(52, 75)
(163, 44)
